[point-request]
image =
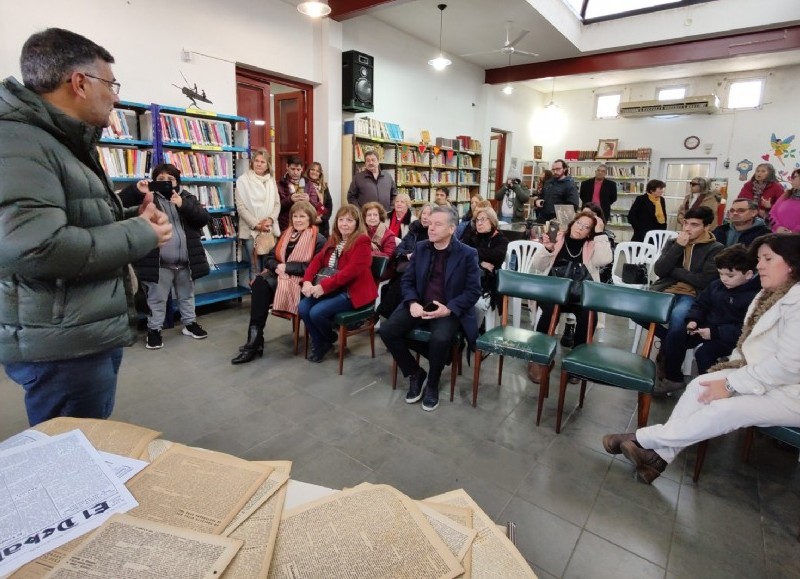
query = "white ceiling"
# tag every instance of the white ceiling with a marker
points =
(478, 26)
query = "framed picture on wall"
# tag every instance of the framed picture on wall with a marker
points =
(607, 149)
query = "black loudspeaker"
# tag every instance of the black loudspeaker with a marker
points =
(357, 69)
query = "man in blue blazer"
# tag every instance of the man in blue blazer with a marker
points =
(440, 289)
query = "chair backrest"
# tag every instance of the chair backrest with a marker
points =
(379, 264)
(521, 252)
(658, 238)
(553, 290)
(636, 304)
(635, 252)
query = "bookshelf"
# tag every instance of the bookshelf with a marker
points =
(417, 169)
(125, 149)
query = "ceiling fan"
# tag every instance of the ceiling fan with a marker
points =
(509, 47)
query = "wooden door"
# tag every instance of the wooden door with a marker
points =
(290, 128)
(252, 101)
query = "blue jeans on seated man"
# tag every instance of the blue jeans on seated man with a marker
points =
(82, 387)
(317, 314)
(674, 338)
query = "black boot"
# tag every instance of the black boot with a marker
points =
(568, 339)
(253, 347)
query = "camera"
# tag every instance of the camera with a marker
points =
(163, 187)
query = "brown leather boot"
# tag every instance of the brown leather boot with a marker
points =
(534, 372)
(649, 465)
(611, 442)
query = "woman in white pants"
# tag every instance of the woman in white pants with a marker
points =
(758, 386)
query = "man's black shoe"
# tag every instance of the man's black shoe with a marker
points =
(416, 384)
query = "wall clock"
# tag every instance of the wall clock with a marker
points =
(691, 143)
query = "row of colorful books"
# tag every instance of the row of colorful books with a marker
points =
(199, 164)
(118, 127)
(369, 127)
(195, 131)
(127, 163)
(219, 227)
(208, 195)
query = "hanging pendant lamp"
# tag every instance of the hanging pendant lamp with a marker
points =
(440, 62)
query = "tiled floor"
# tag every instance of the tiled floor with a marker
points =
(578, 510)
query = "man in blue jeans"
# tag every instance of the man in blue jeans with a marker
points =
(686, 266)
(66, 296)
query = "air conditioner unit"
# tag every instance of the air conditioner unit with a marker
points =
(704, 104)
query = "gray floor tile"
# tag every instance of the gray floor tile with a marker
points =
(596, 558)
(717, 554)
(563, 495)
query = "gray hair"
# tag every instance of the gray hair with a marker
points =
(450, 211)
(49, 57)
(751, 203)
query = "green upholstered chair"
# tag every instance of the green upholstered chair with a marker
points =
(529, 345)
(422, 336)
(354, 322)
(614, 366)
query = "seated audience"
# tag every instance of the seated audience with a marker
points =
(649, 211)
(382, 239)
(743, 225)
(759, 386)
(491, 245)
(715, 319)
(440, 289)
(763, 188)
(699, 196)
(785, 214)
(582, 246)
(349, 286)
(466, 219)
(597, 211)
(684, 268)
(401, 216)
(278, 284)
(442, 196)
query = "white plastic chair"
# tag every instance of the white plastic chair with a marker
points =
(523, 251)
(638, 253)
(657, 238)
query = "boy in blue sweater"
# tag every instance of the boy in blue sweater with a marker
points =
(716, 317)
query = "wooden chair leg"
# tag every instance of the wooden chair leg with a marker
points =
(643, 409)
(544, 388)
(342, 346)
(476, 375)
(305, 342)
(454, 370)
(583, 393)
(500, 370)
(562, 391)
(749, 436)
(701, 457)
(394, 374)
(372, 339)
(296, 329)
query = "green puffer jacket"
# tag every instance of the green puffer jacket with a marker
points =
(65, 244)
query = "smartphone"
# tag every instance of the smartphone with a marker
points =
(552, 230)
(430, 307)
(163, 187)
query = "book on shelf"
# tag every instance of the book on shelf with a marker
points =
(443, 177)
(416, 194)
(208, 195)
(219, 227)
(199, 164)
(194, 131)
(468, 143)
(118, 127)
(125, 163)
(373, 128)
(211, 263)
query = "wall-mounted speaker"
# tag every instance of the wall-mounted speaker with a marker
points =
(357, 75)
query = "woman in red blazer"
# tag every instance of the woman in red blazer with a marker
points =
(349, 252)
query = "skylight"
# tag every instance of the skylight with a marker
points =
(597, 10)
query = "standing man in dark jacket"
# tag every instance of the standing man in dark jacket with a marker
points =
(66, 297)
(440, 288)
(600, 190)
(372, 184)
(560, 190)
(177, 263)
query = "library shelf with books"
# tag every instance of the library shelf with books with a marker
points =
(125, 149)
(211, 150)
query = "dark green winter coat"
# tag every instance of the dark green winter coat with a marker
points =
(65, 244)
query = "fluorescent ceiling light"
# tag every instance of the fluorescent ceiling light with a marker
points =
(314, 8)
(508, 89)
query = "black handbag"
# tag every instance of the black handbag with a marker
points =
(327, 271)
(634, 273)
(575, 271)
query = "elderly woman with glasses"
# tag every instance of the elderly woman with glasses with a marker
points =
(491, 245)
(699, 196)
(585, 248)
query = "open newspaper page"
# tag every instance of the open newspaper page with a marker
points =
(260, 530)
(493, 554)
(463, 517)
(52, 491)
(106, 435)
(279, 476)
(43, 564)
(196, 489)
(155, 449)
(134, 548)
(457, 537)
(367, 532)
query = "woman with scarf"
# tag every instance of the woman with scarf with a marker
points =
(785, 214)
(699, 196)
(258, 206)
(758, 386)
(383, 240)
(648, 211)
(579, 245)
(401, 216)
(315, 178)
(764, 188)
(278, 284)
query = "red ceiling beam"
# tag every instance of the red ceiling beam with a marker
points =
(346, 9)
(692, 51)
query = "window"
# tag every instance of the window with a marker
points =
(607, 105)
(671, 93)
(598, 10)
(745, 94)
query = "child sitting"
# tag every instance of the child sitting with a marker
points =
(716, 317)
